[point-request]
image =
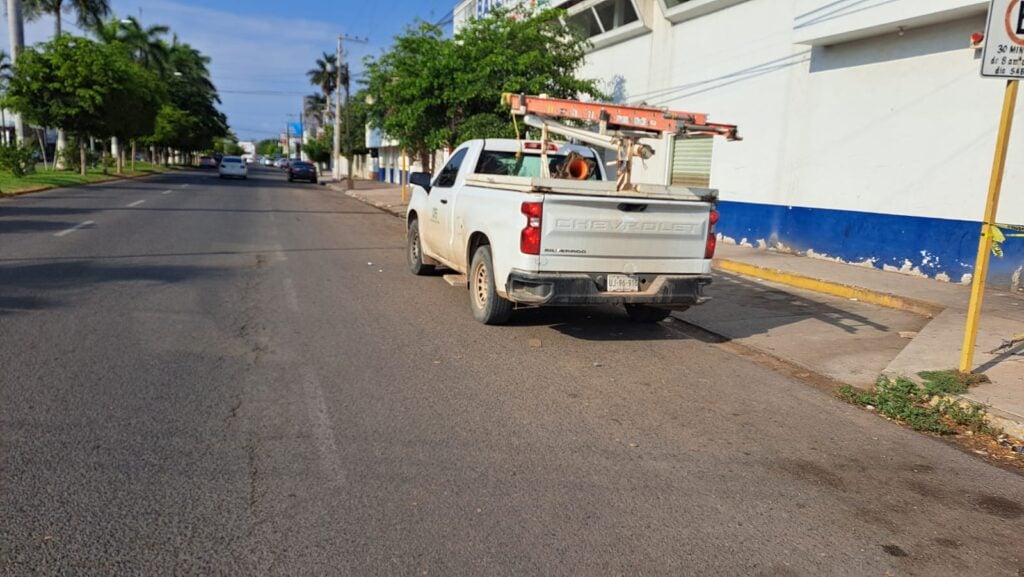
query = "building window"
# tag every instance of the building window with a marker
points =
(604, 16)
(680, 10)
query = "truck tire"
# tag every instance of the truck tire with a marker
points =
(487, 305)
(646, 313)
(414, 251)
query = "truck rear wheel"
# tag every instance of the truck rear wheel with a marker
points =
(646, 313)
(414, 251)
(487, 305)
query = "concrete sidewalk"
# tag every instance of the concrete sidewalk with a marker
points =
(846, 322)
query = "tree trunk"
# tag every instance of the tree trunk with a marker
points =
(81, 156)
(115, 149)
(103, 156)
(42, 146)
(133, 155)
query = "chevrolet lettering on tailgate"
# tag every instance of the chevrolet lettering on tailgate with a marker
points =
(603, 225)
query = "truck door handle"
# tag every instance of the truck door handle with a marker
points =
(444, 201)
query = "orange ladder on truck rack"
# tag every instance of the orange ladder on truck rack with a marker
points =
(617, 116)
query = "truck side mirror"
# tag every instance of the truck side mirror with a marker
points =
(421, 179)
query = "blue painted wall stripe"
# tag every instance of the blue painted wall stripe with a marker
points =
(932, 245)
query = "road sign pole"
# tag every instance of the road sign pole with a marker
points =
(985, 243)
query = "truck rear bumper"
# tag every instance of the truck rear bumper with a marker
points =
(590, 288)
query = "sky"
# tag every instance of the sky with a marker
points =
(261, 49)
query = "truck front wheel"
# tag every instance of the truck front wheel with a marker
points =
(414, 250)
(646, 313)
(487, 305)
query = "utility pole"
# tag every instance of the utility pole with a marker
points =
(302, 130)
(337, 109)
(16, 32)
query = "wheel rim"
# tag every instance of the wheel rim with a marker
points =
(414, 246)
(481, 285)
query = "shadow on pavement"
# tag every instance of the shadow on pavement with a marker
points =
(750, 308)
(596, 323)
(23, 225)
(31, 286)
(197, 253)
(7, 210)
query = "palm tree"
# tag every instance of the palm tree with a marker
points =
(145, 44)
(6, 73)
(315, 104)
(90, 13)
(324, 75)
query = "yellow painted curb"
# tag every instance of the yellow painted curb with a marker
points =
(889, 300)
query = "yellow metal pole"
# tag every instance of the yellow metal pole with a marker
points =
(985, 243)
(405, 174)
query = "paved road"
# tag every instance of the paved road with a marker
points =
(240, 378)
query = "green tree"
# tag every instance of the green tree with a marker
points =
(90, 13)
(78, 85)
(314, 106)
(430, 92)
(146, 45)
(191, 94)
(324, 74)
(409, 84)
(268, 147)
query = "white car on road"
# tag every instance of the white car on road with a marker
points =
(233, 166)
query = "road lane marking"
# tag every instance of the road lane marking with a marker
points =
(136, 203)
(320, 420)
(168, 191)
(290, 296)
(74, 228)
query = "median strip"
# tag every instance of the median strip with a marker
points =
(74, 228)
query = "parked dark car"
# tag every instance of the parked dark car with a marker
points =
(207, 162)
(299, 170)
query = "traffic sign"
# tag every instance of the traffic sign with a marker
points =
(1003, 52)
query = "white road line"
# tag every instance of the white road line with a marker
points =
(74, 228)
(168, 191)
(290, 296)
(320, 420)
(136, 203)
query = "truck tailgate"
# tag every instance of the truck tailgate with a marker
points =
(609, 234)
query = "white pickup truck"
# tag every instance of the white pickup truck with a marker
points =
(569, 238)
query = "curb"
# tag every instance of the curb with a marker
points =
(920, 307)
(397, 211)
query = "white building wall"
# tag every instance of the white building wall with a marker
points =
(871, 106)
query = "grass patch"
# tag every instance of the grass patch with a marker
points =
(9, 184)
(950, 381)
(917, 406)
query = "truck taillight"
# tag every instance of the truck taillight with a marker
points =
(709, 248)
(529, 239)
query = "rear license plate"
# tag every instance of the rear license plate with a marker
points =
(622, 283)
